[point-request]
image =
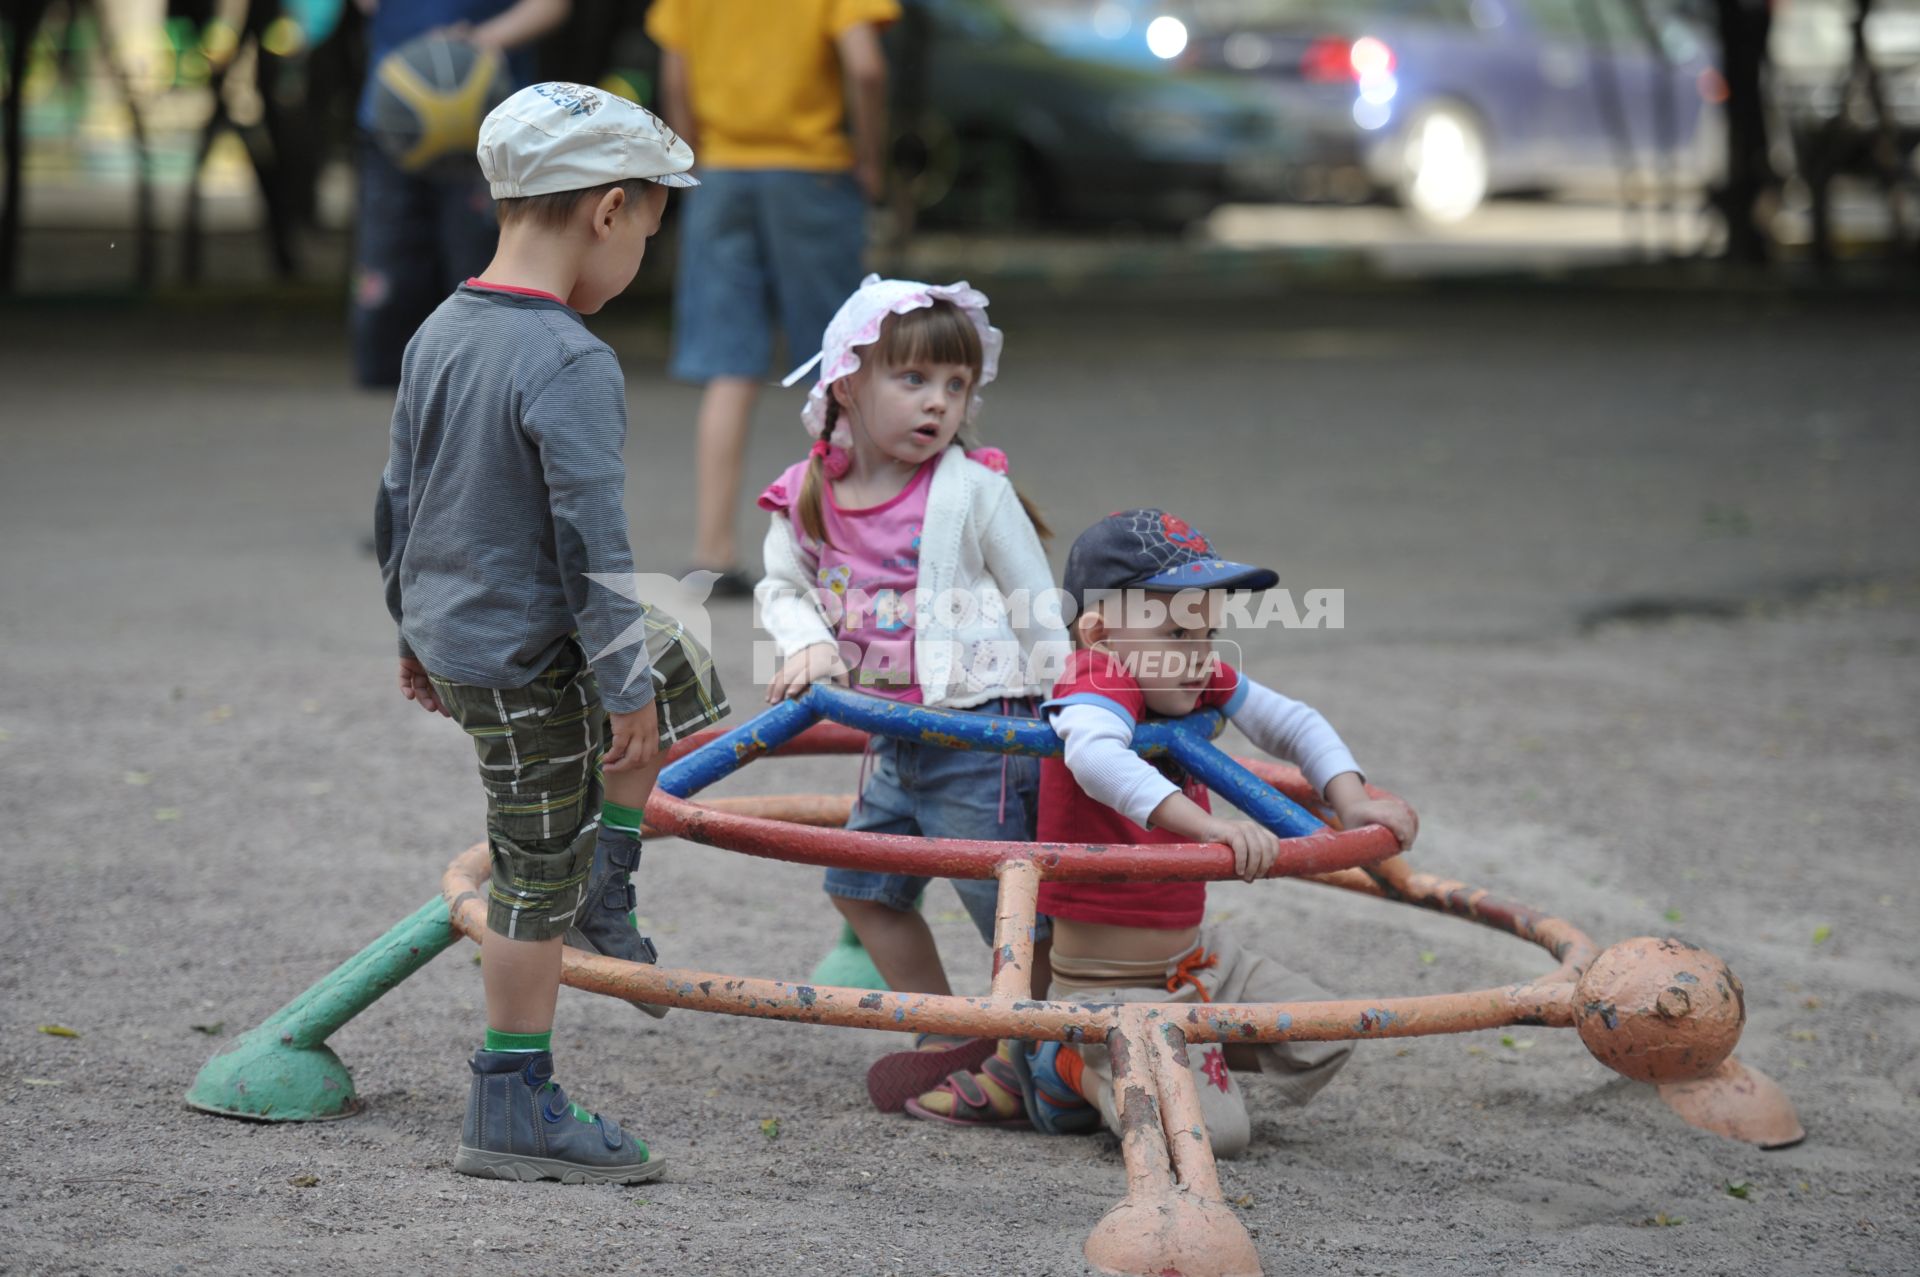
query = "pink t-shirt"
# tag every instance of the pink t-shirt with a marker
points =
(866, 574)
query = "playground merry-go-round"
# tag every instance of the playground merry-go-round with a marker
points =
(1658, 1011)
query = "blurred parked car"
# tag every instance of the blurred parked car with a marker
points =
(996, 128)
(1441, 102)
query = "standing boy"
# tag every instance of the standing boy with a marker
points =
(501, 504)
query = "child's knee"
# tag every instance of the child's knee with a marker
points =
(857, 911)
(1301, 1069)
(1233, 1135)
(631, 789)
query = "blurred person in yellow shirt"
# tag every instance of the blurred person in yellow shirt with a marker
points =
(785, 101)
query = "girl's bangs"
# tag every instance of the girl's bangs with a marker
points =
(937, 334)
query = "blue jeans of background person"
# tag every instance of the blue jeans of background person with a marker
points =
(416, 241)
(930, 791)
(760, 246)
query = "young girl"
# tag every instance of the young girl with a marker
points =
(874, 536)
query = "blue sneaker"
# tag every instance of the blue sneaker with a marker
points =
(521, 1126)
(1052, 1106)
(606, 923)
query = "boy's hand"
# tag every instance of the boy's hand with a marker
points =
(418, 688)
(636, 740)
(1254, 848)
(819, 663)
(1388, 812)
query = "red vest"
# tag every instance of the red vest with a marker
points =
(1067, 814)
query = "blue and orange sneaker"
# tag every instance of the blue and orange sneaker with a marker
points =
(1048, 1075)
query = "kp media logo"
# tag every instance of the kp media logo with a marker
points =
(671, 607)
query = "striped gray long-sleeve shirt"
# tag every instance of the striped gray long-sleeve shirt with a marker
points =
(503, 490)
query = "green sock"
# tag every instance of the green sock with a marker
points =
(498, 1041)
(625, 819)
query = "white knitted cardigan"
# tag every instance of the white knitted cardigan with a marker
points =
(981, 568)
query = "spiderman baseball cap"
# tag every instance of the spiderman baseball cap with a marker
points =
(1153, 550)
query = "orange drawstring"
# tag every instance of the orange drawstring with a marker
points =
(1198, 960)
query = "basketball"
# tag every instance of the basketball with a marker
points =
(429, 97)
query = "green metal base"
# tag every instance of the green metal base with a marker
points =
(848, 965)
(283, 1071)
(263, 1079)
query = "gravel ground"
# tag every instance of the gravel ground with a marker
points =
(1631, 617)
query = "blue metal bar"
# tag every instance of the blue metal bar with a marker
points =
(1242, 788)
(972, 729)
(720, 758)
(954, 728)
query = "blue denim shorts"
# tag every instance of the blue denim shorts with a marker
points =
(930, 791)
(760, 247)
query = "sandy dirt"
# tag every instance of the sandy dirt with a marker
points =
(211, 796)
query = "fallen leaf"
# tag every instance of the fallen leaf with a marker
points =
(1664, 1220)
(1672, 915)
(1739, 1188)
(1811, 1004)
(1428, 957)
(138, 778)
(1245, 1199)
(770, 1127)
(211, 1030)
(1821, 932)
(166, 813)
(1515, 1044)
(304, 1181)
(59, 1031)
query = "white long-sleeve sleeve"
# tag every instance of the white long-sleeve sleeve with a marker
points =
(784, 595)
(1098, 751)
(1292, 730)
(1017, 563)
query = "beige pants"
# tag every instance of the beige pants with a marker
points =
(1237, 975)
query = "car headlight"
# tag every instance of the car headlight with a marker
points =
(1166, 37)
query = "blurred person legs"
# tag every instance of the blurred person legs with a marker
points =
(416, 240)
(758, 248)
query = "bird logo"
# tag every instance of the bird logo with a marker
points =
(672, 608)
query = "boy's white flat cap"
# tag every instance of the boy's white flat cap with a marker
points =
(567, 137)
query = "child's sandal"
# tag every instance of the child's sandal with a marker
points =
(898, 1077)
(968, 1098)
